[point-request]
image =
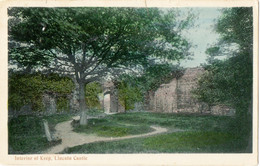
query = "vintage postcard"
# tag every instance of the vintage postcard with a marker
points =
(129, 82)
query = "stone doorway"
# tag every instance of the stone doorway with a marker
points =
(107, 106)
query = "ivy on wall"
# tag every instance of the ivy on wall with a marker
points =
(92, 91)
(29, 89)
(128, 95)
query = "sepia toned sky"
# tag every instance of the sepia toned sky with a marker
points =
(201, 35)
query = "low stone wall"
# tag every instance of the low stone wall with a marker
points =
(222, 110)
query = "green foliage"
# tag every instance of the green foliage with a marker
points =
(153, 76)
(92, 91)
(93, 42)
(29, 89)
(236, 26)
(24, 90)
(30, 56)
(156, 75)
(230, 81)
(63, 104)
(227, 82)
(129, 33)
(26, 133)
(128, 95)
(212, 53)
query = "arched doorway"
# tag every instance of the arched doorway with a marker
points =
(107, 100)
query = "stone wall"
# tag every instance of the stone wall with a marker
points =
(164, 97)
(176, 96)
(173, 97)
(110, 102)
(185, 84)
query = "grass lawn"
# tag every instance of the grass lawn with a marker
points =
(181, 142)
(108, 127)
(202, 134)
(26, 133)
(199, 134)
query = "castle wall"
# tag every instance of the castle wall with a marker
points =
(185, 100)
(164, 98)
(176, 96)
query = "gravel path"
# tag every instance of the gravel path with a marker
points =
(71, 138)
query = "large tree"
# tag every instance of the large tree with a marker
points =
(91, 43)
(230, 81)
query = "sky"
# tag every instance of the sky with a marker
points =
(201, 35)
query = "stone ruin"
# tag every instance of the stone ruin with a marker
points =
(176, 96)
(110, 102)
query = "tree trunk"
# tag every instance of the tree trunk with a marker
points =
(82, 104)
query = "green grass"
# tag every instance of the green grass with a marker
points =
(95, 112)
(193, 122)
(181, 142)
(107, 127)
(200, 134)
(26, 133)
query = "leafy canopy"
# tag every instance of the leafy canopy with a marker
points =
(89, 44)
(90, 37)
(230, 81)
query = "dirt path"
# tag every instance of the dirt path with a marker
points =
(71, 138)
